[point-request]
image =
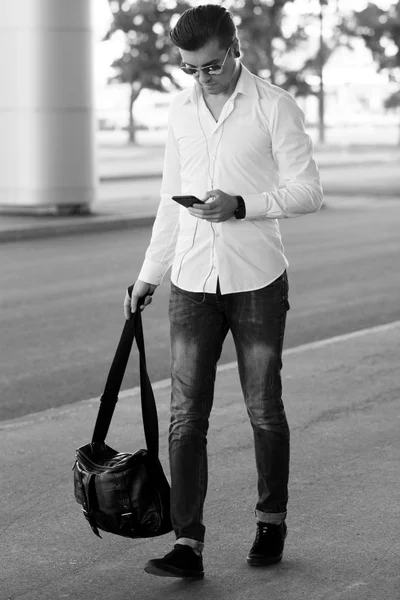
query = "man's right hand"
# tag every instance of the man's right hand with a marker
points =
(140, 289)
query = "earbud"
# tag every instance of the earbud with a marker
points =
(237, 53)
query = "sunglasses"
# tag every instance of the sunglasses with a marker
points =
(215, 69)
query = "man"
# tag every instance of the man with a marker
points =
(231, 139)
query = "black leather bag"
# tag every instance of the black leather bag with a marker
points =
(122, 493)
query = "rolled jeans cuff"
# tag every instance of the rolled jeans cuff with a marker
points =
(195, 544)
(272, 518)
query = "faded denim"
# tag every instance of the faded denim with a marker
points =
(199, 324)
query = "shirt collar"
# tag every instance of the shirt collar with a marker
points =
(246, 85)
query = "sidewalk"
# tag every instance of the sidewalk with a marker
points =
(128, 193)
(118, 162)
(341, 397)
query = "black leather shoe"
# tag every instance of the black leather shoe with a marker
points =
(182, 562)
(267, 548)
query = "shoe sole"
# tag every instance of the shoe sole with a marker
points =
(263, 562)
(167, 571)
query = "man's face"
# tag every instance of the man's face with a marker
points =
(211, 54)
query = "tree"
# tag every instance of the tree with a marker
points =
(149, 53)
(380, 30)
(262, 40)
(393, 101)
(316, 64)
(268, 46)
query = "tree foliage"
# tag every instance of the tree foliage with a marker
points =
(260, 23)
(393, 101)
(380, 30)
(268, 47)
(149, 52)
(264, 43)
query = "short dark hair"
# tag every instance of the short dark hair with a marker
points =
(199, 25)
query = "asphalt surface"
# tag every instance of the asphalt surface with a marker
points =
(342, 402)
(61, 300)
(60, 318)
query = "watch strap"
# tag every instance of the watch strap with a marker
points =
(240, 212)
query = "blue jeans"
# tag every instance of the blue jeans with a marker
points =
(199, 324)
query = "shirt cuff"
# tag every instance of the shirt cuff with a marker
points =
(256, 206)
(152, 272)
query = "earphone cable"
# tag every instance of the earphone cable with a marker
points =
(211, 177)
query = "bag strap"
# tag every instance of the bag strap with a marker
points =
(133, 329)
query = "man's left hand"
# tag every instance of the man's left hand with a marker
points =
(220, 209)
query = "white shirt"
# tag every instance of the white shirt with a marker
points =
(258, 145)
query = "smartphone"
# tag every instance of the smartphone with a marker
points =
(187, 200)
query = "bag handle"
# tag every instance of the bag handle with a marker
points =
(133, 329)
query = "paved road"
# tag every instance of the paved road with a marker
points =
(379, 180)
(342, 403)
(61, 300)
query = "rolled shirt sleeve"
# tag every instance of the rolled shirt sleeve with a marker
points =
(161, 251)
(293, 153)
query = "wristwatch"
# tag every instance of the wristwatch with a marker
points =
(240, 212)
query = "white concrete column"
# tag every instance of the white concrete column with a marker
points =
(47, 118)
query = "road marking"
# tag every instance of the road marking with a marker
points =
(165, 383)
(327, 341)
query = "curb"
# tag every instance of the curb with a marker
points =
(89, 224)
(129, 177)
(158, 175)
(50, 414)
